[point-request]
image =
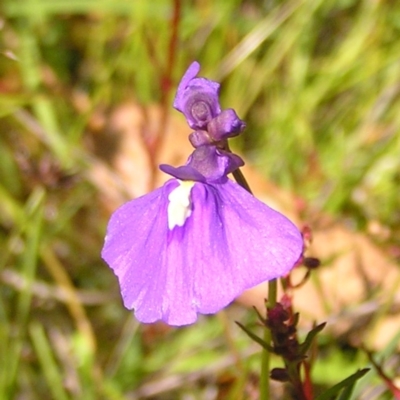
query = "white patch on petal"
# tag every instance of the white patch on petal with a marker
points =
(179, 207)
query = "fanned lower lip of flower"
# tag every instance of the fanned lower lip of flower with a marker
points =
(229, 242)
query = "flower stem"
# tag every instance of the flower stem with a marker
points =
(271, 302)
(241, 180)
(272, 293)
(266, 355)
(237, 173)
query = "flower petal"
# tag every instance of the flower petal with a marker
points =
(191, 72)
(235, 242)
(206, 164)
(214, 164)
(230, 242)
(135, 248)
(184, 172)
(197, 98)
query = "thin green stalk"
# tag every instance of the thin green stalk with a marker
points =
(266, 355)
(265, 365)
(272, 296)
(28, 265)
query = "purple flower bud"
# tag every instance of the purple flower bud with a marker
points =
(197, 98)
(200, 138)
(279, 374)
(226, 124)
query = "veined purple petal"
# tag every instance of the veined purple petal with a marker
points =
(184, 172)
(229, 242)
(191, 72)
(135, 248)
(247, 241)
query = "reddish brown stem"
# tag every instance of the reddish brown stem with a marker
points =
(389, 382)
(165, 86)
(307, 384)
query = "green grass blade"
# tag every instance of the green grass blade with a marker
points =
(47, 362)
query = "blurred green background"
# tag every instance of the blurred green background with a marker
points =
(318, 85)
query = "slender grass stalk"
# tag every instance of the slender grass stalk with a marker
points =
(57, 270)
(51, 370)
(28, 265)
(42, 106)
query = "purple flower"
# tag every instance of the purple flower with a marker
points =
(195, 244)
(198, 100)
